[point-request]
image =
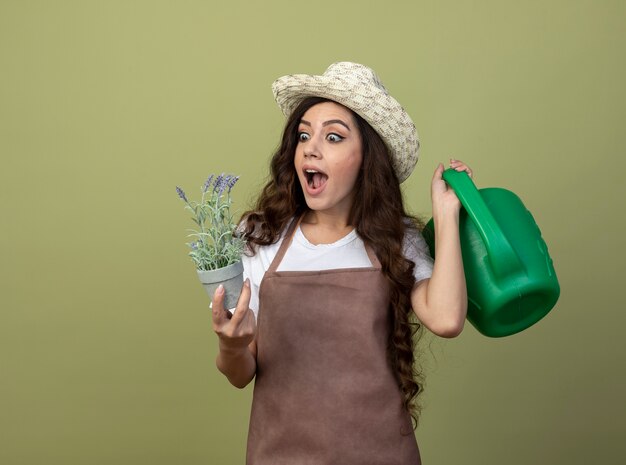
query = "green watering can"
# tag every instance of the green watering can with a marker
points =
(511, 283)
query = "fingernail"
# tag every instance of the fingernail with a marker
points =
(247, 282)
(220, 289)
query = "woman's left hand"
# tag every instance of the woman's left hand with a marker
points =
(443, 197)
(440, 302)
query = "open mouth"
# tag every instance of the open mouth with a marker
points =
(315, 179)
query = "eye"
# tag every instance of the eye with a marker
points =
(303, 136)
(334, 137)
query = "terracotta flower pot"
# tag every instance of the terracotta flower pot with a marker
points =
(230, 276)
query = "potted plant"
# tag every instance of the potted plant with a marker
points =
(217, 248)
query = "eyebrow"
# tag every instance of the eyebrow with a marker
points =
(328, 123)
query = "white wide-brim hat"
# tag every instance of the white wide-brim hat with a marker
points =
(357, 87)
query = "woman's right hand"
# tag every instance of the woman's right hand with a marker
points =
(237, 356)
(444, 198)
(235, 332)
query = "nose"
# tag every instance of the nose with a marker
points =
(310, 153)
(311, 149)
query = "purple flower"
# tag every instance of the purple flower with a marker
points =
(181, 193)
(207, 184)
(232, 181)
(220, 184)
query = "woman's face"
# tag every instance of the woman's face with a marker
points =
(328, 157)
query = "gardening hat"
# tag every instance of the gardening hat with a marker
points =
(357, 87)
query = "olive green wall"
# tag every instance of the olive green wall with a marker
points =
(106, 347)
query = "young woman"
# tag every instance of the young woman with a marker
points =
(336, 271)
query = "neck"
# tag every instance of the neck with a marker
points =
(327, 220)
(323, 228)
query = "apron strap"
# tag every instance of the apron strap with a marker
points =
(288, 239)
(285, 244)
(372, 256)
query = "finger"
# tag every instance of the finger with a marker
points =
(438, 172)
(218, 305)
(465, 168)
(243, 303)
(249, 321)
(458, 165)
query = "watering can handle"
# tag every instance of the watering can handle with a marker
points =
(503, 259)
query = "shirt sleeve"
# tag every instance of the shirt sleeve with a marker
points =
(254, 268)
(251, 272)
(255, 265)
(416, 250)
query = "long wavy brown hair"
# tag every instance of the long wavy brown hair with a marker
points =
(380, 219)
